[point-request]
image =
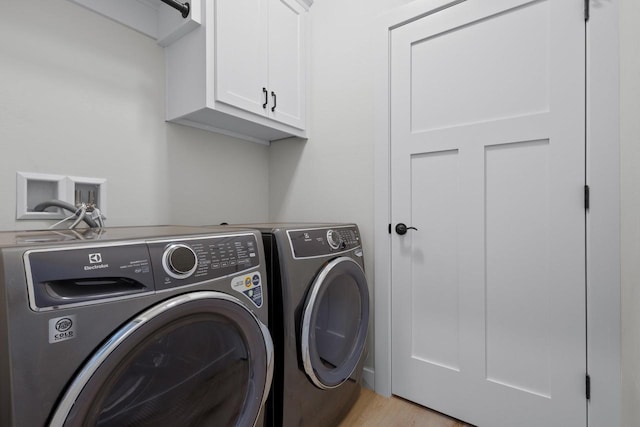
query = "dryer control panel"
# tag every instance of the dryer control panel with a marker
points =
(307, 243)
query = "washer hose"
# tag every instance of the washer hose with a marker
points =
(64, 205)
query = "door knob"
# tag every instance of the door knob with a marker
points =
(402, 228)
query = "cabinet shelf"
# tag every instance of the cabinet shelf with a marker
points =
(152, 18)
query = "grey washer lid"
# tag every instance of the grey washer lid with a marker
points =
(322, 376)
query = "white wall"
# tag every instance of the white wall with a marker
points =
(330, 176)
(630, 163)
(81, 95)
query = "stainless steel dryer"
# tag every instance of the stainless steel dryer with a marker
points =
(152, 326)
(318, 319)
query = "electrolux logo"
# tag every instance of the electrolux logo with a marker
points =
(96, 260)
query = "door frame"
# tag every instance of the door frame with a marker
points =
(603, 218)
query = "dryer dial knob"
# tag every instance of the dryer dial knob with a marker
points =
(179, 261)
(335, 240)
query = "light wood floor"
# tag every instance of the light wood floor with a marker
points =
(373, 410)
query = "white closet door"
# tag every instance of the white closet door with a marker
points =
(488, 163)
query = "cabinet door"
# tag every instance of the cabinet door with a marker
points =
(241, 53)
(287, 60)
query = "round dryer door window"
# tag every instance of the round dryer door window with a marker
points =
(334, 323)
(199, 359)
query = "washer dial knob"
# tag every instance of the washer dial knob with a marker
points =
(335, 240)
(179, 261)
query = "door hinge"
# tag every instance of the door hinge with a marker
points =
(586, 9)
(588, 387)
(586, 197)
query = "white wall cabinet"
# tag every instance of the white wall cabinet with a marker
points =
(243, 72)
(237, 67)
(260, 63)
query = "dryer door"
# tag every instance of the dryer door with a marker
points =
(198, 359)
(335, 322)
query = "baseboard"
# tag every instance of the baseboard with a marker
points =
(368, 378)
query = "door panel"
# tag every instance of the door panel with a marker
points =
(464, 69)
(517, 281)
(287, 62)
(241, 53)
(435, 280)
(487, 162)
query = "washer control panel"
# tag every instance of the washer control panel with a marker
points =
(323, 241)
(198, 259)
(80, 275)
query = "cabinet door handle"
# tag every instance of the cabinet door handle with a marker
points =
(266, 97)
(275, 101)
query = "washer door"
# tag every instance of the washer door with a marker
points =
(198, 359)
(334, 323)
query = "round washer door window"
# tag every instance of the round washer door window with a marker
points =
(199, 359)
(335, 322)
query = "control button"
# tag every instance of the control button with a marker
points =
(335, 240)
(179, 261)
